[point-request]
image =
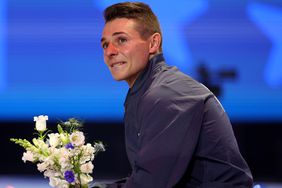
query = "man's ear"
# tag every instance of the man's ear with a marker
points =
(155, 42)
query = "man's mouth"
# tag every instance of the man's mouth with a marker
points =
(118, 64)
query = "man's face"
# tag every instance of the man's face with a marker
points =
(125, 52)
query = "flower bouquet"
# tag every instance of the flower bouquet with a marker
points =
(63, 157)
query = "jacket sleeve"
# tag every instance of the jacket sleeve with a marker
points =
(170, 127)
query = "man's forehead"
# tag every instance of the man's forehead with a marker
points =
(119, 26)
(113, 34)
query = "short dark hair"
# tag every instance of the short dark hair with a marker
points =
(148, 23)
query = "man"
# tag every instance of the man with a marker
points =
(177, 133)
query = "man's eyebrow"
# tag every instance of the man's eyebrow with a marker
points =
(116, 33)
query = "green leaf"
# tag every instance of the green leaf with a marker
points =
(60, 129)
(22, 142)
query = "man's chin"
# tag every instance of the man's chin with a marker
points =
(118, 78)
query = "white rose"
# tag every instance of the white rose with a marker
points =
(40, 122)
(28, 156)
(54, 139)
(77, 138)
(87, 167)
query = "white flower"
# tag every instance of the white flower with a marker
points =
(28, 156)
(88, 149)
(42, 166)
(62, 155)
(54, 139)
(54, 182)
(40, 122)
(87, 167)
(88, 153)
(57, 182)
(77, 138)
(51, 173)
(85, 179)
(47, 163)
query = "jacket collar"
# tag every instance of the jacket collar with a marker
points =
(145, 74)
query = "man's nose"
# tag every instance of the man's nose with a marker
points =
(111, 50)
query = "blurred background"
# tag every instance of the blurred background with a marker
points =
(51, 63)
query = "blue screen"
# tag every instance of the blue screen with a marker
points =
(51, 61)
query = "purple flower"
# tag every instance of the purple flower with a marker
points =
(69, 176)
(69, 146)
